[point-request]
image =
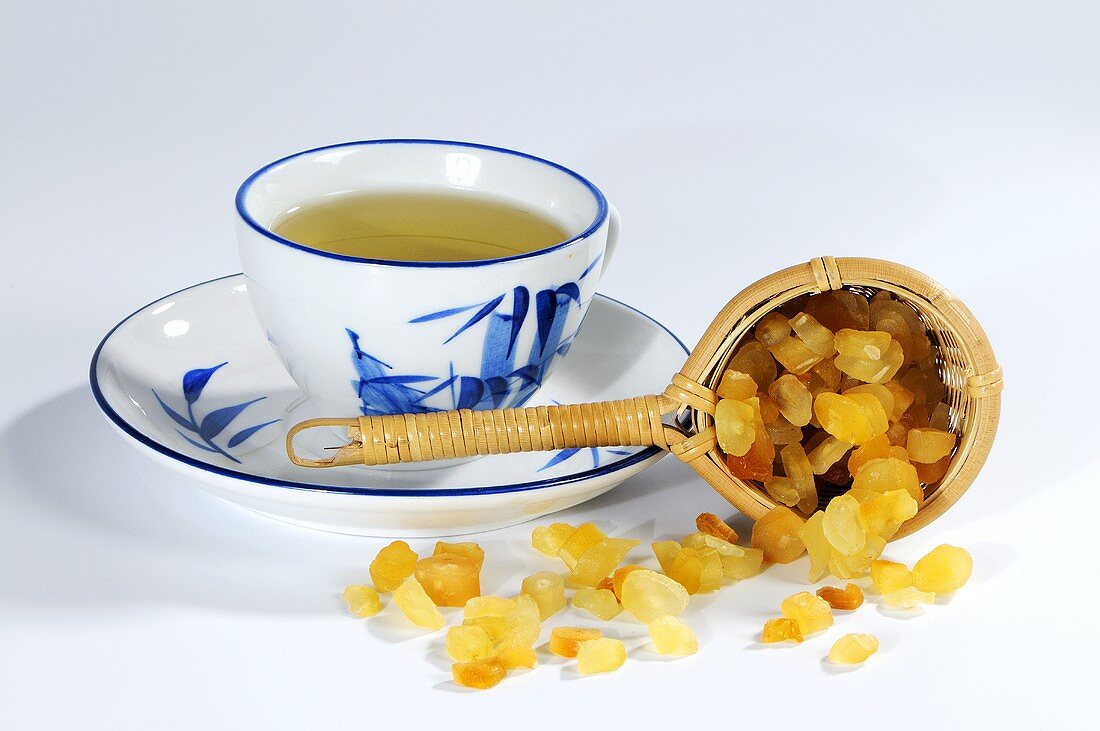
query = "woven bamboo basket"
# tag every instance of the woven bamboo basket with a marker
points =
(964, 359)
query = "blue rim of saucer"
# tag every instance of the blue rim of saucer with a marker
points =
(601, 201)
(146, 441)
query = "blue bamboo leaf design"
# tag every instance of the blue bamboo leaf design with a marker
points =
(441, 314)
(469, 392)
(546, 306)
(559, 458)
(570, 290)
(176, 417)
(401, 379)
(437, 389)
(498, 390)
(200, 445)
(195, 381)
(591, 266)
(521, 300)
(217, 420)
(246, 433)
(478, 317)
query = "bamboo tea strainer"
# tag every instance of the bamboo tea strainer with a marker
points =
(964, 359)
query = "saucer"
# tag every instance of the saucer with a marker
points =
(191, 382)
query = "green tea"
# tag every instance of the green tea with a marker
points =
(418, 227)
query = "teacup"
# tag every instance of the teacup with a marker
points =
(364, 336)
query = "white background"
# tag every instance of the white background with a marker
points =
(736, 138)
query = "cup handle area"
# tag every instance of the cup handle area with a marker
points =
(614, 225)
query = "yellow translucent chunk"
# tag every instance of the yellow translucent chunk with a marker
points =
(665, 551)
(466, 643)
(941, 417)
(753, 358)
(584, 537)
(872, 370)
(795, 355)
(884, 396)
(853, 649)
(877, 448)
(548, 591)
(715, 526)
(480, 674)
(450, 580)
(816, 336)
(783, 432)
(884, 514)
(890, 576)
(776, 533)
(827, 374)
(649, 595)
(523, 623)
(886, 474)
(600, 560)
(548, 539)
(671, 636)
(362, 600)
(416, 605)
(812, 613)
(488, 606)
(495, 627)
(929, 445)
(736, 385)
(748, 564)
(943, 570)
(908, 597)
(843, 418)
(903, 399)
(772, 328)
(796, 465)
(817, 546)
(792, 398)
(566, 641)
(868, 345)
(872, 409)
(781, 629)
(735, 426)
(826, 454)
(846, 599)
(709, 542)
(468, 549)
(843, 525)
(600, 603)
(622, 572)
(858, 563)
(602, 655)
(697, 570)
(515, 654)
(781, 490)
(392, 565)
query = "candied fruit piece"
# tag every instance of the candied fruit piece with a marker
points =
(622, 572)
(450, 580)
(843, 525)
(880, 392)
(479, 674)
(753, 358)
(515, 654)
(853, 649)
(817, 546)
(877, 448)
(886, 474)
(602, 655)
(872, 371)
(736, 385)
(890, 576)
(795, 355)
(793, 398)
(783, 432)
(362, 600)
(929, 473)
(943, 570)
(565, 641)
(865, 345)
(884, 514)
(781, 629)
(872, 409)
(743, 566)
(812, 613)
(672, 637)
(584, 537)
(813, 334)
(523, 623)
(416, 605)
(796, 464)
(772, 328)
(648, 595)
(908, 597)
(859, 563)
(600, 603)
(777, 535)
(827, 453)
(495, 627)
(487, 606)
(548, 591)
(466, 643)
(600, 560)
(756, 464)
(929, 445)
(769, 412)
(715, 526)
(839, 309)
(843, 417)
(735, 424)
(392, 565)
(940, 417)
(829, 375)
(665, 551)
(606, 583)
(548, 539)
(697, 570)
(468, 549)
(847, 599)
(903, 399)
(781, 490)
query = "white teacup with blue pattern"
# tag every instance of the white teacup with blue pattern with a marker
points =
(364, 336)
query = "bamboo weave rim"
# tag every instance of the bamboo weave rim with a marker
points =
(965, 362)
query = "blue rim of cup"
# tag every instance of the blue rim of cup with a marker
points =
(242, 211)
(133, 433)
